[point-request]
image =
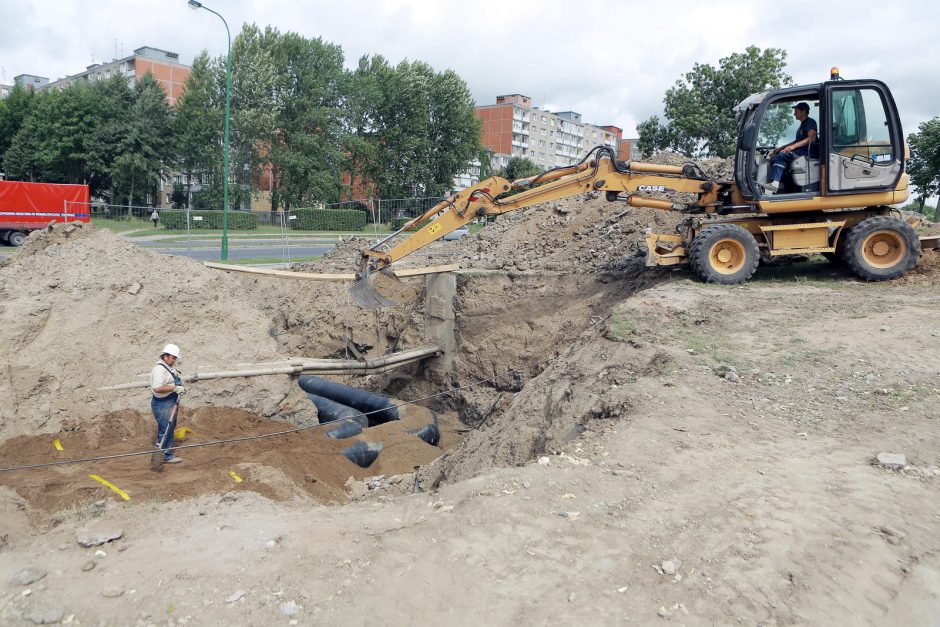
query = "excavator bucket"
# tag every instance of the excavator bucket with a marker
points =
(364, 293)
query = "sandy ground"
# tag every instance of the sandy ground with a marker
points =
(647, 449)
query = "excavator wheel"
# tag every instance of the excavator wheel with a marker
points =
(724, 253)
(881, 248)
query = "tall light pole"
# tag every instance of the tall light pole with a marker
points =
(193, 4)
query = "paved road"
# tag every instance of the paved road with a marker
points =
(245, 252)
(207, 250)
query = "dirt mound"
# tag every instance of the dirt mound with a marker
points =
(926, 272)
(582, 233)
(305, 464)
(81, 308)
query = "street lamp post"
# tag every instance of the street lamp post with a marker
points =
(193, 4)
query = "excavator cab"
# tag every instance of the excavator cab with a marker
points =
(859, 149)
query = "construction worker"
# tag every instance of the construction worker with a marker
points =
(165, 383)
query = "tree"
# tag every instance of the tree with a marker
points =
(454, 131)
(145, 150)
(198, 125)
(519, 168)
(305, 155)
(700, 120)
(254, 108)
(924, 164)
(410, 129)
(13, 111)
(107, 138)
(361, 93)
(52, 144)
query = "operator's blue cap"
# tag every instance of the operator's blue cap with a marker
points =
(802, 106)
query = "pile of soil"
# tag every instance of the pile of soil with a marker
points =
(81, 308)
(305, 464)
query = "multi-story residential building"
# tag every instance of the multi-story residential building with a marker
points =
(627, 149)
(513, 127)
(164, 65)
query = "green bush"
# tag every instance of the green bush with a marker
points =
(237, 220)
(328, 220)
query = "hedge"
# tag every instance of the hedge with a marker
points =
(328, 220)
(237, 220)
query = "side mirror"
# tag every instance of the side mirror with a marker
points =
(748, 138)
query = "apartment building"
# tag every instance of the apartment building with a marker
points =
(513, 127)
(164, 65)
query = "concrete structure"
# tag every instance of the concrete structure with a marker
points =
(440, 322)
(5, 91)
(164, 65)
(513, 127)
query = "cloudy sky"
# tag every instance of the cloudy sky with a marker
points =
(612, 61)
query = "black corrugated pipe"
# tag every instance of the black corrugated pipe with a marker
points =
(367, 402)
(363, 454)
(330, 411)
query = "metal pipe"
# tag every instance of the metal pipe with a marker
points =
(320, 366)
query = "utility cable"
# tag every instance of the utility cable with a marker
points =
(247, 437)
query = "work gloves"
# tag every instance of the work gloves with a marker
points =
(179, 389)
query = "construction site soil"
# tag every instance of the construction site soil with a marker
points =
(619, 444)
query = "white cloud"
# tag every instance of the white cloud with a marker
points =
(610, 61)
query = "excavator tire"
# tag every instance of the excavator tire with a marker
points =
(725, 254)
(881, 248)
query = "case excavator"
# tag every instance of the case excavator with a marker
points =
(835, 200)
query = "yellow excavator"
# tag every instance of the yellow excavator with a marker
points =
(836, 199)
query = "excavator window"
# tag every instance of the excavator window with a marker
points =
(866, 143)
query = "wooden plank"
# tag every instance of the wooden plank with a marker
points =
(451, 267)
(310, 276)
(929, 241)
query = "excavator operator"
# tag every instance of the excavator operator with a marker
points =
(806, 135)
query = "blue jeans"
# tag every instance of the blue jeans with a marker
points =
(781, 162)
(163, 411)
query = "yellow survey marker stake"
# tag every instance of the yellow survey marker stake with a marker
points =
(58, 445)
(234, 476)
(119, 491)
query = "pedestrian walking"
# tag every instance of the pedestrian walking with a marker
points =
(166, 386)
(155, 217)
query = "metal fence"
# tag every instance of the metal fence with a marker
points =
(364, 217)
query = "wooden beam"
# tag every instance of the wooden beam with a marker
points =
(310, 276)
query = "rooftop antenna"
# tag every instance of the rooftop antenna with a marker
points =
(115, 49)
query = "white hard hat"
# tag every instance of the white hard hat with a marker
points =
(171, 349)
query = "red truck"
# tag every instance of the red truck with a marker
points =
(26, 207)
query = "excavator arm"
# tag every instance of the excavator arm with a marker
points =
(598, 171)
